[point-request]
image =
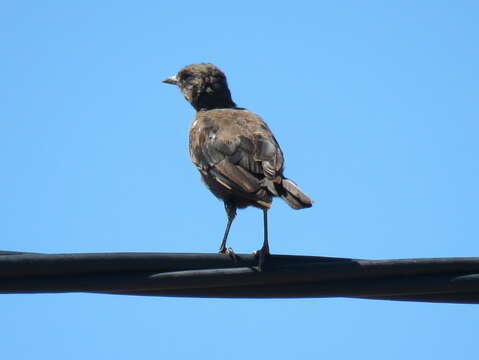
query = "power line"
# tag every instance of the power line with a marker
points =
(218, 275)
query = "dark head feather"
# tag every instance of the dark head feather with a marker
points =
(204, 86)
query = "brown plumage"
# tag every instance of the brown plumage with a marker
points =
(236, 153)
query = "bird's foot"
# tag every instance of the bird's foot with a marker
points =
(229, 252)
(261, 254)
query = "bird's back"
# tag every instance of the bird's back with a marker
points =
(238, 156)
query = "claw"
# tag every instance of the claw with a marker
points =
(261, 255)
(230, 253)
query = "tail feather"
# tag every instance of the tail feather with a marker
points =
(293, 195)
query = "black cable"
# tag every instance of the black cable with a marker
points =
(218, 275)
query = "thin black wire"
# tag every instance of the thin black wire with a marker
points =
(217, 275)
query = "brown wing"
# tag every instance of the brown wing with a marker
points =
(236, 148)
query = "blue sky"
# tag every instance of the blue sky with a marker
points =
(373, 103)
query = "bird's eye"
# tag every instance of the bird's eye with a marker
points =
(185, 76)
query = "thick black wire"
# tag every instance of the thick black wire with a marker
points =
(218, 275)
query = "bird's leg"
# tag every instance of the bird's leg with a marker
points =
(231, 213)
(264, 251)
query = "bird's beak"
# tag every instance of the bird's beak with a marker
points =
(171, 80)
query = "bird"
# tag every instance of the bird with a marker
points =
(234, 150)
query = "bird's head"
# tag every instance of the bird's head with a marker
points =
(204, 86)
